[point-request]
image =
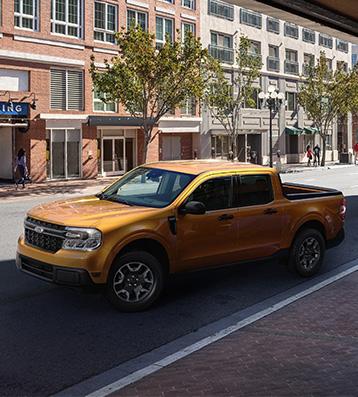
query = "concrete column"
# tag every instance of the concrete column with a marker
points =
(349, 133)
(282, 119)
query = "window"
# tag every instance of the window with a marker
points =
(26, 14)
(291, 64)
(309, 36)
(66, 89)
(341, 45)
(137, 18)
(253, 102)
(185, 28)
(329, 64)
(188, 4)
(221, 9)
(66, 17)
(164, 30)
(188, 107)
(102, 106)
(221, 47)
(273, 25)
(248, 17)
(325, 41)
(291, 101)
(105, 21)
(291, 30)
(254, 190)
(273, 60)
(215, 194)
(14, 80)
(341, 65)
(255, 48)
(219, 146)
(308, 61)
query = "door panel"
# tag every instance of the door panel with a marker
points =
(107, 155)
(118, 155)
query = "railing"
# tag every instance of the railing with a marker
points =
(221, 9)
(291, 67)
(223, 54)
(273, 63)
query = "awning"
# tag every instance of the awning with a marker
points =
(293, 131)
(116, 121)
(310, 130)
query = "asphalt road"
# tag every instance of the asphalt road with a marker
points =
(53, 337)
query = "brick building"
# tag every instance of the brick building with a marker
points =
(47, 104)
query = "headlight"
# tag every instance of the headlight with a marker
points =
(83, 239)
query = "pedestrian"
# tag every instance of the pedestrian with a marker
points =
(309, 155)
(21, 167)
(317, 155)
(355, 148)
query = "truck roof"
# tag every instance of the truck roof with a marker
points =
(196, 167)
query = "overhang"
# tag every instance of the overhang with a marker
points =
(103, 121)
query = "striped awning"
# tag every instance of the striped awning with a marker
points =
(293, 131)
(310, 130)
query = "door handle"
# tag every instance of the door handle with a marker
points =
(270, 211)
(225, 217)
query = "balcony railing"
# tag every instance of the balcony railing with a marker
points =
(223, 54)
(291, 67)
(221, 9)
(273, 64)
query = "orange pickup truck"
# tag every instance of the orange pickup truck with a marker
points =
(170, 217)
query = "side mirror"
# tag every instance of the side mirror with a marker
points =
(193, 207)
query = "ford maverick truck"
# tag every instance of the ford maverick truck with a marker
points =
(177, 216)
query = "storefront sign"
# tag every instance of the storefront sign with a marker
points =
(14, 109)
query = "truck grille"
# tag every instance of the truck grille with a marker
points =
(44, 235)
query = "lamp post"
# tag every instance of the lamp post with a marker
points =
(274, 99)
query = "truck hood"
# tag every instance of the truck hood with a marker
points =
(85, 211)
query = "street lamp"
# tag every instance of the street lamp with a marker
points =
(274, 99)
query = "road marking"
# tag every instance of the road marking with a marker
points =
(152, 368)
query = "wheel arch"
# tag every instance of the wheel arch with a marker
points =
(311, 224)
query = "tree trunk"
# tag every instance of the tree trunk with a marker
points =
(323, 161)
(235, 148)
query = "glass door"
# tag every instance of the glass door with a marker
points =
(114, 156)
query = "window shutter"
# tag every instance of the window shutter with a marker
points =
(75, 90)
(58, 89)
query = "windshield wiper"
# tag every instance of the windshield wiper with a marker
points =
(113, 197)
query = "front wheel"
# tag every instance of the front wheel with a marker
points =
(135, 281)
(307, 252)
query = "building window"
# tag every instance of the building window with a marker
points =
(291, 101)
(137, 18)
(101, 105)
(341, 45)
(291, 30)
(341, 65)
(309, 36)
(220, 9)
(273, 25)
(105, 21)
(291, 64)
(308, 61)
(66, 89)
(185, 28)
(66, 17)
(188, 4)
(251, 18)
(255, 49)
(188, 107)
(253, 102)
(164, 30)
(273, 59)
(325, 41)
(26, 14)
(221, 47)
(329, 64)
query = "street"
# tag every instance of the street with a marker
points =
(54, 337)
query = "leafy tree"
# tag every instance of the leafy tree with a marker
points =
(149, 82)
(225, 99)
(326, 95)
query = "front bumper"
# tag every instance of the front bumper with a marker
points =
(55, 274)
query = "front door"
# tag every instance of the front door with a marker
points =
(114, 156)
(209, 239)
(65, 153)
(171, 147)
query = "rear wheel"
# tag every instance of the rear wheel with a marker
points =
(135, 281)
(307, 252)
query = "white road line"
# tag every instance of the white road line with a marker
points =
(150, 369)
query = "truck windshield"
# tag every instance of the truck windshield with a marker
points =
(148, 187)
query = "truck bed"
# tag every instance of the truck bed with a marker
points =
(296, 191)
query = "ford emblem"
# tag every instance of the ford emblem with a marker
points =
(39, 229)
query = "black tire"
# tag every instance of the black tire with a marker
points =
(307, 252)
(141, 287)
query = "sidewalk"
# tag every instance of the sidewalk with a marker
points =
(309, 348)
(75, 186)
(291, 168)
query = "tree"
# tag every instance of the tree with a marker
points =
(326, 95)
(225, 99)
(149, 82)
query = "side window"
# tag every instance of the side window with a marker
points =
(254, 190)
(215, 194)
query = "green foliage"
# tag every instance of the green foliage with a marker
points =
(325, 95)
(225, 99)
(149, 82)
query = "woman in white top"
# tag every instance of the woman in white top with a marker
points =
(22, 167)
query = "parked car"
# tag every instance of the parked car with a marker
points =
(171, 217)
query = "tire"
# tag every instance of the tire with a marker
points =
(135, 281)
(307, 252)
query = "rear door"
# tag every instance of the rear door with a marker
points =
(259, 218)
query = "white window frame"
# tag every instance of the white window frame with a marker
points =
(66, 23)
(160, 42)
(21, 15)
(98, 100)
(188, 4)
(192, 29)
(106, 32)
(136, 17)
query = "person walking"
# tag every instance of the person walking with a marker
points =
(309, 155)
(21, 167)
(317, 155)
(355, 148)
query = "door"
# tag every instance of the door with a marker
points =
(65, 153)
(171, 147)
(6, 154)
(114, 156)
(208, 239)
(259, 218)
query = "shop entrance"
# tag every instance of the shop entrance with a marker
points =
(6, 153)
(171, 147)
